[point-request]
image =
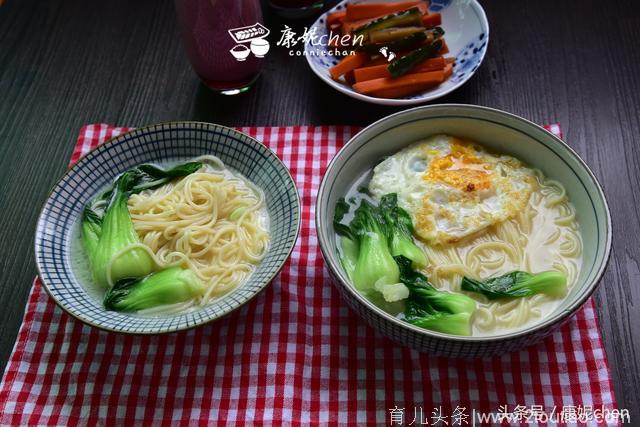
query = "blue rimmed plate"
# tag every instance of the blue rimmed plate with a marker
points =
(57, 229)
(466, 33)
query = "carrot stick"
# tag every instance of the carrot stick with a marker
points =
(360, 11)
(380, 71)
(335, 28)
(431, 64)
(348, 63)
(379, 60)
(350, 77)
(408, 80)
(444, 49)
(450, 60)
(400, 92)
(336, 18)
(371, 72)
(448, 71)
(431, 20)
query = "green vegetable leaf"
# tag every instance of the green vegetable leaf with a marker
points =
(429, 308)
(518, 284)
(169, 286)
(148, 177)
(152, 176)
(109, 238)
(342, 208)
(454, 324)
(91, 229)
(375, 263)
(400, 231)
(107, 247)
(365, 254)
(348, 255)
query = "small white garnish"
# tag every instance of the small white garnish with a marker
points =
(394, 292)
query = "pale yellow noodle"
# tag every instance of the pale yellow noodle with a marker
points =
(553, 237)
(571, 247)
(187, 222)
(513, 245)
(567, 215)
(556, 193)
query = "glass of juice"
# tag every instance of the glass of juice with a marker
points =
(225, 41)
(296, 8)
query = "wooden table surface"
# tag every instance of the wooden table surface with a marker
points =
(67, 63)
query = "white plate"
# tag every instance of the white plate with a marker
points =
(466, 33)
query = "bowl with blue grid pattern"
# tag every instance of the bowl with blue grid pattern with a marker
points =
(466, 33)
(57, 230)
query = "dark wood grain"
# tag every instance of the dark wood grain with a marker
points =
(67, 63)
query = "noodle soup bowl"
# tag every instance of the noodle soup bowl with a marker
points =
(499, 132)
(57, 241)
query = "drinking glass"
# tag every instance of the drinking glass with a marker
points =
(225, 41)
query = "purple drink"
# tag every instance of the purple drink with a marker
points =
(223, 63)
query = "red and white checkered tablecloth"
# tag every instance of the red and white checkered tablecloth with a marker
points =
(294, 355)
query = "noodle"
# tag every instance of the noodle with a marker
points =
(213, 222)
(479, 215)
(543, 236)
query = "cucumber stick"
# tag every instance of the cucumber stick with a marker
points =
(405, 43)
(405, 64)
(405, 18)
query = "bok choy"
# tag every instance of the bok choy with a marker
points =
(110, 240)
(378, 253)
(370, 241)
(429, 308)
(366, 256)
(400, 231)
(518, 284)
(169, 286)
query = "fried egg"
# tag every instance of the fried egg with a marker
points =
(453, 188)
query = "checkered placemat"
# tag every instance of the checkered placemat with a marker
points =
(294, 355)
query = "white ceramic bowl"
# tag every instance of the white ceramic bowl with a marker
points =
(466, 33)
(503, 133)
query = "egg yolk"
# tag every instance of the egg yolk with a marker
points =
(461, 169)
